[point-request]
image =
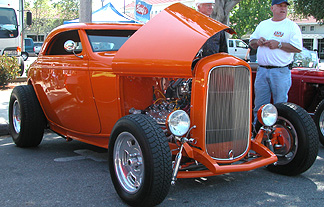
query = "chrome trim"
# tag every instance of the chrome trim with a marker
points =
(228, 123)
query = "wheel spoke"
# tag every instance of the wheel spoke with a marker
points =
(321, 123)
(16, 116)
(128, 162)
(288, 148)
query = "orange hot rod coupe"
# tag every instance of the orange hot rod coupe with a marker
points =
(162, 111)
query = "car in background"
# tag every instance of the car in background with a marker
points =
(307, 89)
(162, 112)
(237, 48)
(29, 49)
(38, 46)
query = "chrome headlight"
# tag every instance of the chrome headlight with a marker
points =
(178, 122)
(267, 115)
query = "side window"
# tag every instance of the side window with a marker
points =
(240, 44)
(230, 43)
(56, 46)
(108, 40)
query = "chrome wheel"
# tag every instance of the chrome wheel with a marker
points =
(16, 116)
(128, 161)
(295, 140)
(287, 151)
(321, 124)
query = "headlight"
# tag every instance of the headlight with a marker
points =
(267, 115)
(178, 122)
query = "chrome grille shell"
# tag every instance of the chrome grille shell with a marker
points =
(228, 112)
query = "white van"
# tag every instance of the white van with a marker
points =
(237, 48)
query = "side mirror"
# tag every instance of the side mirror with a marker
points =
(69, 46)
(29, 18)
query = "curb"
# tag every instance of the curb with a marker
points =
(4, 129)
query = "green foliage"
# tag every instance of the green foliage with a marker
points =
(48, 14)
(8, 69)
(310, 8)
(67, 9)
(247, 14)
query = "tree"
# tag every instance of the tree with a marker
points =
(222, 10)
(48, 15)
(247, 14)
(310, 8)
(67, 9)
(43, 16)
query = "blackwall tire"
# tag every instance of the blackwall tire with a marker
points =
(21, 69)
(139, 161)
(26, 118)
(301, 140)
(319, 121)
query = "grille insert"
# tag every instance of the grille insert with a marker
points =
(228, 112)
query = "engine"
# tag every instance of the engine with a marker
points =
(175, 95)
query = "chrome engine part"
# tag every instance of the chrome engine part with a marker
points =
(176, 96)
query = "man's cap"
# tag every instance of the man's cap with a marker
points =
(204, 1)
(279, 2)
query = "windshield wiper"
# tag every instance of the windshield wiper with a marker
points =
(2, 27)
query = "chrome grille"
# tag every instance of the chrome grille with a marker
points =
(228, 112)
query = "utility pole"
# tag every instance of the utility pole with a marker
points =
(85, 11)
(21, 20)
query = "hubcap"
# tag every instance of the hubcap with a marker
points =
(16, 116)
(321, 123)
(128, 161)
(287, 150)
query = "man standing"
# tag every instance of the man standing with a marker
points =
(276, 39)
(205, 6)
(217, 43)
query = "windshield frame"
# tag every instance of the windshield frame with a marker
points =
(8, 23)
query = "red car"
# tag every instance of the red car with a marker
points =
(162, 111)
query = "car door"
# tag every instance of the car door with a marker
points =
(65, 87)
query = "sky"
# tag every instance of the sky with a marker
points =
(118, 4)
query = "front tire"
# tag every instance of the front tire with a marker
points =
(26, 118)
(140, 161)
(299, 149)
(319, 121)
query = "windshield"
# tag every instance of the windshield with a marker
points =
(8, 23)
(306, 59)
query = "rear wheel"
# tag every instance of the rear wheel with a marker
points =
(26, 118)
(140, 161)
(319, 120)
(297, 144)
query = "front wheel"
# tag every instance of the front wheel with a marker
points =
(319, 120)
(140, 161)
(295, 142)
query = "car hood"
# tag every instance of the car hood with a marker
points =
(167, 44)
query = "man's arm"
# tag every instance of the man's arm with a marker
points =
(255, 43)
(287, 47)
(273, 44)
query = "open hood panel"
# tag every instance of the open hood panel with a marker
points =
(167, 44)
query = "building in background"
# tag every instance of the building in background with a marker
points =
(313, 34)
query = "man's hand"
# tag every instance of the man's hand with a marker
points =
(272, 44)
(261, 41)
